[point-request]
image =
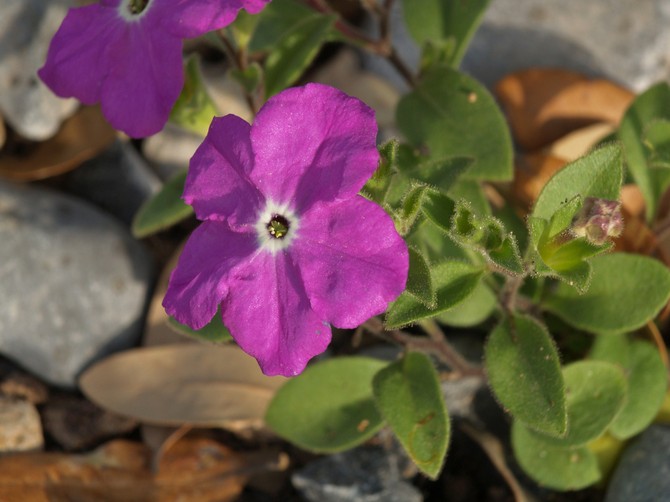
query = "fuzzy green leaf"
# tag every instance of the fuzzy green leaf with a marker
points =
(454, 115)
(409, 397)
(596, 392)
(194, 109)
(525, 374)
(164, 209)
(657, 140)
(474, 310)
(625, 292)
(597, 174)
(419, 281)
(330, 407)
(439, 20)
(651, 105)
(647, 381)
(552, 466)
(453, 282)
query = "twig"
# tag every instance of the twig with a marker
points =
(436, 344)
(660, 344)
(239, 59)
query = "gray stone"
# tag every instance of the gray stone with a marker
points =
(118, 181)
(20, 426)
(364, 474)
(460, 394)
(643, 471)
(26, 29)
(624, 40)
(170, 150)
(73, 283)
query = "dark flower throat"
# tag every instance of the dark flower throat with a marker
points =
(278, 226)
(137, 6)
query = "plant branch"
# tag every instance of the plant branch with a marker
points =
(239, 59)
(435, 344)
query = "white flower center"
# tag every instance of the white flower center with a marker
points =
(276, 227)
(133, 10)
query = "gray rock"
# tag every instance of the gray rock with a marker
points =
(643, 471)
(624, 40)
(26, 29)
(460, 394)
(20, 426)
(170, 150)
(364, 474)
(73, 283)
(118, 181)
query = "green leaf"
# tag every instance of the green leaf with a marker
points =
(651, 105)
(330, 407)
(552, 466)
(409, 209)
(194, 109)
(419, 281)
(295, 49)
(214, 332)
(657, 140)
(471, 191)
(409, 397)
(455, 116)
(276, 21)
(439, 209)
(442, 174)
(525, 374)
(378, 185)
(486, 235)
(244, 27)
(164, 209)
(450, 20)
(453, 281)
(474, 310)
(625, 292)
(598, 174)
(647, 381)
(596, 392)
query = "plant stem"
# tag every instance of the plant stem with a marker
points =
(381, 47)
(239, 59)
(436, 344)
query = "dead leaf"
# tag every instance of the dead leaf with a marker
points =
(194, 469)
(543, 105)
(532, 171)
(3, 133)
(200, 385)
(80, 138)
(578, 143)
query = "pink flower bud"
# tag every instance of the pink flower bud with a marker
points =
(597, 220)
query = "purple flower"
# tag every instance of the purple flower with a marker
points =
(127, 55)
(287, 246)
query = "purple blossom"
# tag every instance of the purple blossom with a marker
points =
(127, 55)
(287, 247)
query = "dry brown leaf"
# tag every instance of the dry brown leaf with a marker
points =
(543, 105)
(81, 137)
(532, 171)
(200, 385)
(3, 132)
(194, 469)
(578, 143)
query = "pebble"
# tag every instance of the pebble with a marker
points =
(27, 27)
(20, 427)
(364, 474)
(643, 471)
(118, 181)
(73, 283)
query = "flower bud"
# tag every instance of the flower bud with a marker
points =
(597, 220)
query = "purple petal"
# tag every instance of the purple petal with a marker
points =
(192, 18)
(269, 315)
(200, 280)
(217, 185)
(352, 260)
(313, 143)
(144, 80)
(76, 63)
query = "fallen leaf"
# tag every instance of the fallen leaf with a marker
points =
(80, 138)
(578, 143)
(543, 105)
(197, 469)
(200, 385)
(532, 171)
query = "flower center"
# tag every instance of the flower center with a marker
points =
(137, 6)
(278, 226)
